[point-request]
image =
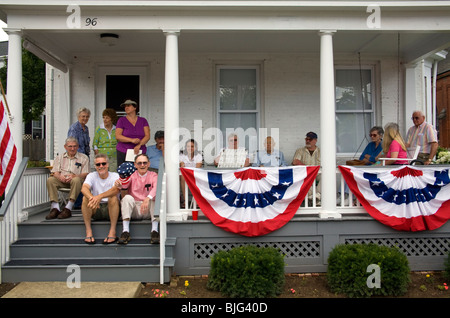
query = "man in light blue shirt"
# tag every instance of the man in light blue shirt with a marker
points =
(270, 157)
(156, 152)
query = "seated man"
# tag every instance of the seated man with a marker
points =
(156, 152)
(424, 135)
(100, 199)
(270, 157)
(232, 156)
(138, 198)
(309, 156)
(69, 171)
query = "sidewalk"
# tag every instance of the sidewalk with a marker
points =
(86, 290)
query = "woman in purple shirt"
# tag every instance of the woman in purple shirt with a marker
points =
(132, 131)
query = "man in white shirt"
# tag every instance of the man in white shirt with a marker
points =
(100, 199)
(232, 156)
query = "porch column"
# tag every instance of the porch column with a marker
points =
(171, 125)
(14, 90)
(327, 125)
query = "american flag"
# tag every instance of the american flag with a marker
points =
(8, 150)
(250, 201)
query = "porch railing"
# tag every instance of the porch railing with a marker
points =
(34, 187)
(160, 212)
(9, 213)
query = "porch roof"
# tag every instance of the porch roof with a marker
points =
(409, 30)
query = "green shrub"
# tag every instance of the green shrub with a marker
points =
(247, 272)
(447, 267)
(348, 270)
(37, 163)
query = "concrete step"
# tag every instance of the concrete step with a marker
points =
(90, 270)
(59, 247)
(46, 249)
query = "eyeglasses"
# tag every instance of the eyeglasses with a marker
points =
(373, 135)
(232, 140)
(142, 163)
(308, 139)
(98, 164)
(415, 118)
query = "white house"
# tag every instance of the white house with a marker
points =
(333, 67)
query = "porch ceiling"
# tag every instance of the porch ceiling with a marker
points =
(408, 45)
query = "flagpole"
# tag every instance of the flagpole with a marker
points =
(6, 101)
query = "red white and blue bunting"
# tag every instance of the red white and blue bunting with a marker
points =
(250, 201)
(407, 198)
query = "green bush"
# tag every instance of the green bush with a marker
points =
(36, 163)
(447, 267)
(247, 272)
(348, 270)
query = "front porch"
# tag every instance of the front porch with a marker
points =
(177, 51)
(39, 249)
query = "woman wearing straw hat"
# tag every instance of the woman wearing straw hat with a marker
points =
(132, 131)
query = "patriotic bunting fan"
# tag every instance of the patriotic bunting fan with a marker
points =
(406, 198)
(250, 201)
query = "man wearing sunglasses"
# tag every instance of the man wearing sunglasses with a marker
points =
(424, 135)
(138, 199)
(101, 199)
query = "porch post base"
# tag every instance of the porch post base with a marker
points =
(177, 216)
(330, 215)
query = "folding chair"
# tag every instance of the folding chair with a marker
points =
(63, 196)
(411, 160)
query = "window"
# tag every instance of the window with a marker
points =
(238, 95)
(354, 109)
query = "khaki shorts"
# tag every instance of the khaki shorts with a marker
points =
(101, 213)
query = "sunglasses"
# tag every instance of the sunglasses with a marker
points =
(373, 135)
(101, 164)
(142, 163)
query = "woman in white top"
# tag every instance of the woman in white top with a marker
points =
(190, 157)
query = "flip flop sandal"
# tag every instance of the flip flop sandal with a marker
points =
(91, 240)
(106, 241)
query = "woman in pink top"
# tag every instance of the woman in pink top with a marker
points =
(393, 145)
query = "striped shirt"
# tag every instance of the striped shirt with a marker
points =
(423, 136)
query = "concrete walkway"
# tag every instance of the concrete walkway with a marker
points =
(86, 290)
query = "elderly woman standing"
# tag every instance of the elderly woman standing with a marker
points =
(132, 131)
(80, 131)
(105, 137)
